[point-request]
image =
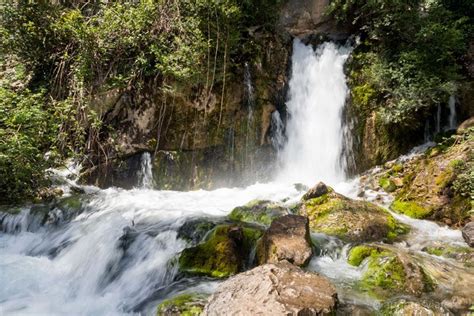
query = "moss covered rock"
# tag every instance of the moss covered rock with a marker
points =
(459, 253)
(388, 273)
(350, 220)
(182, 305)
(224, 253)
(387, 184)
(402, 307)
(259, 212)
(195, 230)
(411, 209)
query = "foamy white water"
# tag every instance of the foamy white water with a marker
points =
(316, 99)
(113, 257)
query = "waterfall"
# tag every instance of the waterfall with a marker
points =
(250, 102)
(317, 94)
(145, 174)
(277, 139)
(452, 113)
(438, 119)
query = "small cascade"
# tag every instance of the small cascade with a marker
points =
(277, 126)
(452, 120)
(438, 119)
(317, 95)
(145, 174)
(250, 104)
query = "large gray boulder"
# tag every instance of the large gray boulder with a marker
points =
(287, 239)
(273, 289)
(468, 233)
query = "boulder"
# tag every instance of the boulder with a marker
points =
(389, 273)
(402, 307)
(259, 212)
(464, 126)
(287, 239)
(468, 233)
(316, 191)
(224, 253)
(351, 220)
(273, 289)
(194, 230)
(184, 304)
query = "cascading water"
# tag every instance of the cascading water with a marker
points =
(250, 101)
(145, 173)
(452, 113)
(278, 138)
(317, 94)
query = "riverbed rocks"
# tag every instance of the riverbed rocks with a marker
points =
(468, 233)
(316, 191)
(403, 306)
(350, 220)
(388, 272)
(184, 304)
(287, 239)
(224, 253)
(273, 289)
(435, 184)
(259, 212)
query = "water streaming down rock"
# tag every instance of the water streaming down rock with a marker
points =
(317, 95)
(250, 102)
(145, 174)
(278, 137)
(452, 120)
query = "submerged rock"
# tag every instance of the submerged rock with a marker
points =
(468, 234)
(195, 230)
(259, 212)
(459, 253)
(402, 307)
(287, 239)
(274, 289)
(350, 220)
(389, 273)
(184, 304)
(224, 253)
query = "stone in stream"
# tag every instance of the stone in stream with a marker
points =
(316, 191)
(184, 304)
(273, 289)
(225, 252)
(258, 212)
(468, 233)
(389, 273)
(403, 306)
(287, 239)
(351, 220)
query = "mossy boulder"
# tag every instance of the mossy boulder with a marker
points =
(411, 209)
(194, 230)
(387, 184)
(225, 252)
(402, 307)
(259, 212)
(183, 305)
(459, 253)
(388, 273)
(350, 220)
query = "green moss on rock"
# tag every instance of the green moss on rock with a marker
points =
(410, 208)
(350, 220)
(224, 253)
(259, 212)
(184, 305)
(387, 184)
(359, 253)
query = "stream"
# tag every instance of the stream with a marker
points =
(116, 253)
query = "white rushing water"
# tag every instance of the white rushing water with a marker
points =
(317, 95)
(452, 113)
(145, 173)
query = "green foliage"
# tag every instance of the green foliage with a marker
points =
(409, 59)
(25, 134)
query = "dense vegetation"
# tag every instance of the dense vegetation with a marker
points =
(56, 56)
(411, 54)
